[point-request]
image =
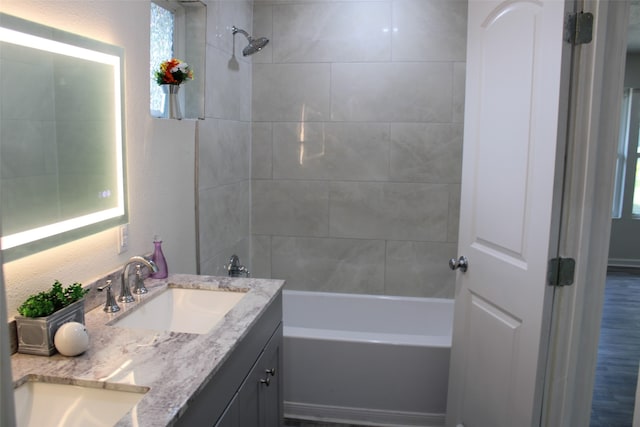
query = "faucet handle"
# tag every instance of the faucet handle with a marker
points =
(110, 306)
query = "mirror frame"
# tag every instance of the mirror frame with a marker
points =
(34, 35)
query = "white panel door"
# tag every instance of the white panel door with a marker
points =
(513, 97)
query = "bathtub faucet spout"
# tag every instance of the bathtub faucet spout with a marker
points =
(235, 269)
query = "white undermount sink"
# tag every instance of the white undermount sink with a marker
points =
(51, 404)
(194, 311)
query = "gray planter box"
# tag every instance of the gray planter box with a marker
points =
(35, 334)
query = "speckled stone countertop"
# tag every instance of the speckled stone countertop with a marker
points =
(174, 366)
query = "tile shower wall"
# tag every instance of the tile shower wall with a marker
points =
(357, 144)
(224, 138)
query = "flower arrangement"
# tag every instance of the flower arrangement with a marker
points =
(173, 72)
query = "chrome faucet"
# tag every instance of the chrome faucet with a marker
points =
(235, 269)
(125, 288)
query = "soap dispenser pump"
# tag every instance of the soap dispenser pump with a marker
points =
(159, 259)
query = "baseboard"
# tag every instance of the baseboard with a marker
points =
(372, 417)
(624, 263)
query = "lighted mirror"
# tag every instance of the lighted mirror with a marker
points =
(61, 137)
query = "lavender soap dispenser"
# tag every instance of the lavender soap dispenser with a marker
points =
(159, 259)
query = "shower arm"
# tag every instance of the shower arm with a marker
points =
(235, 30)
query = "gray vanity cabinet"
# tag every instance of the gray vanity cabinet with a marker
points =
(258, 402)
(247, 389)
(272, 393)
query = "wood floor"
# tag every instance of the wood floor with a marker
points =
(303, 423)
(618, 352)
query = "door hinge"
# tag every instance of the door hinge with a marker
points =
(561, 271)
(578, 28)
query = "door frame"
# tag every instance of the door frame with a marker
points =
(586, 217)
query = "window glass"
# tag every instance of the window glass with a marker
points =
(162, 38)
(636, 193)
(621, 160)
(638, 142)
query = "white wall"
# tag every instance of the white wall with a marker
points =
(160, 162)
(624, 249)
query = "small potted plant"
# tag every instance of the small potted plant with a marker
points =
(42, 314)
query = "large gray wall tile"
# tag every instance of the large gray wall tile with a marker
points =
(260, 256)
(345, 151)
(330, 265)
(224, 147)
(224, 219)
(263, 27)
(426, 152)
(398, 211)
(216, 263)
(392, 92)
(454, 213)
(291, 92)
(332, 32)
(420, 269)
(440, 26)
(459, 76)
(290, 208)
(261, 150)
(227, 95)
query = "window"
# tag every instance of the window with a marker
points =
(626, 203)
(161, 49)
(178, 30)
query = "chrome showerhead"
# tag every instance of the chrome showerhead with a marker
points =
(255, 45)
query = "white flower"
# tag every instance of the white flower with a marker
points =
(183, 66)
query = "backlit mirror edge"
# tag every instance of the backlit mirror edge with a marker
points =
(40, 30)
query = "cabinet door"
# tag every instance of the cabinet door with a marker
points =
(259, 399)
(230, 416)
(271, 392)
(248, 399)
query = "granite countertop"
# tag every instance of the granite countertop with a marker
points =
(174, 366)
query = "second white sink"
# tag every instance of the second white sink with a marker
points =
(194, 311)
(50, 404)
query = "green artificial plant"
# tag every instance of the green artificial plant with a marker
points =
(48, 302)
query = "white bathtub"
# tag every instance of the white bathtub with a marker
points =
(366, 358)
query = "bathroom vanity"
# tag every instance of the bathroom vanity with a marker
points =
(247, 391)
(229, 375)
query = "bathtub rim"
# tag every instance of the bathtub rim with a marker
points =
(426, 340)
(352, 295)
